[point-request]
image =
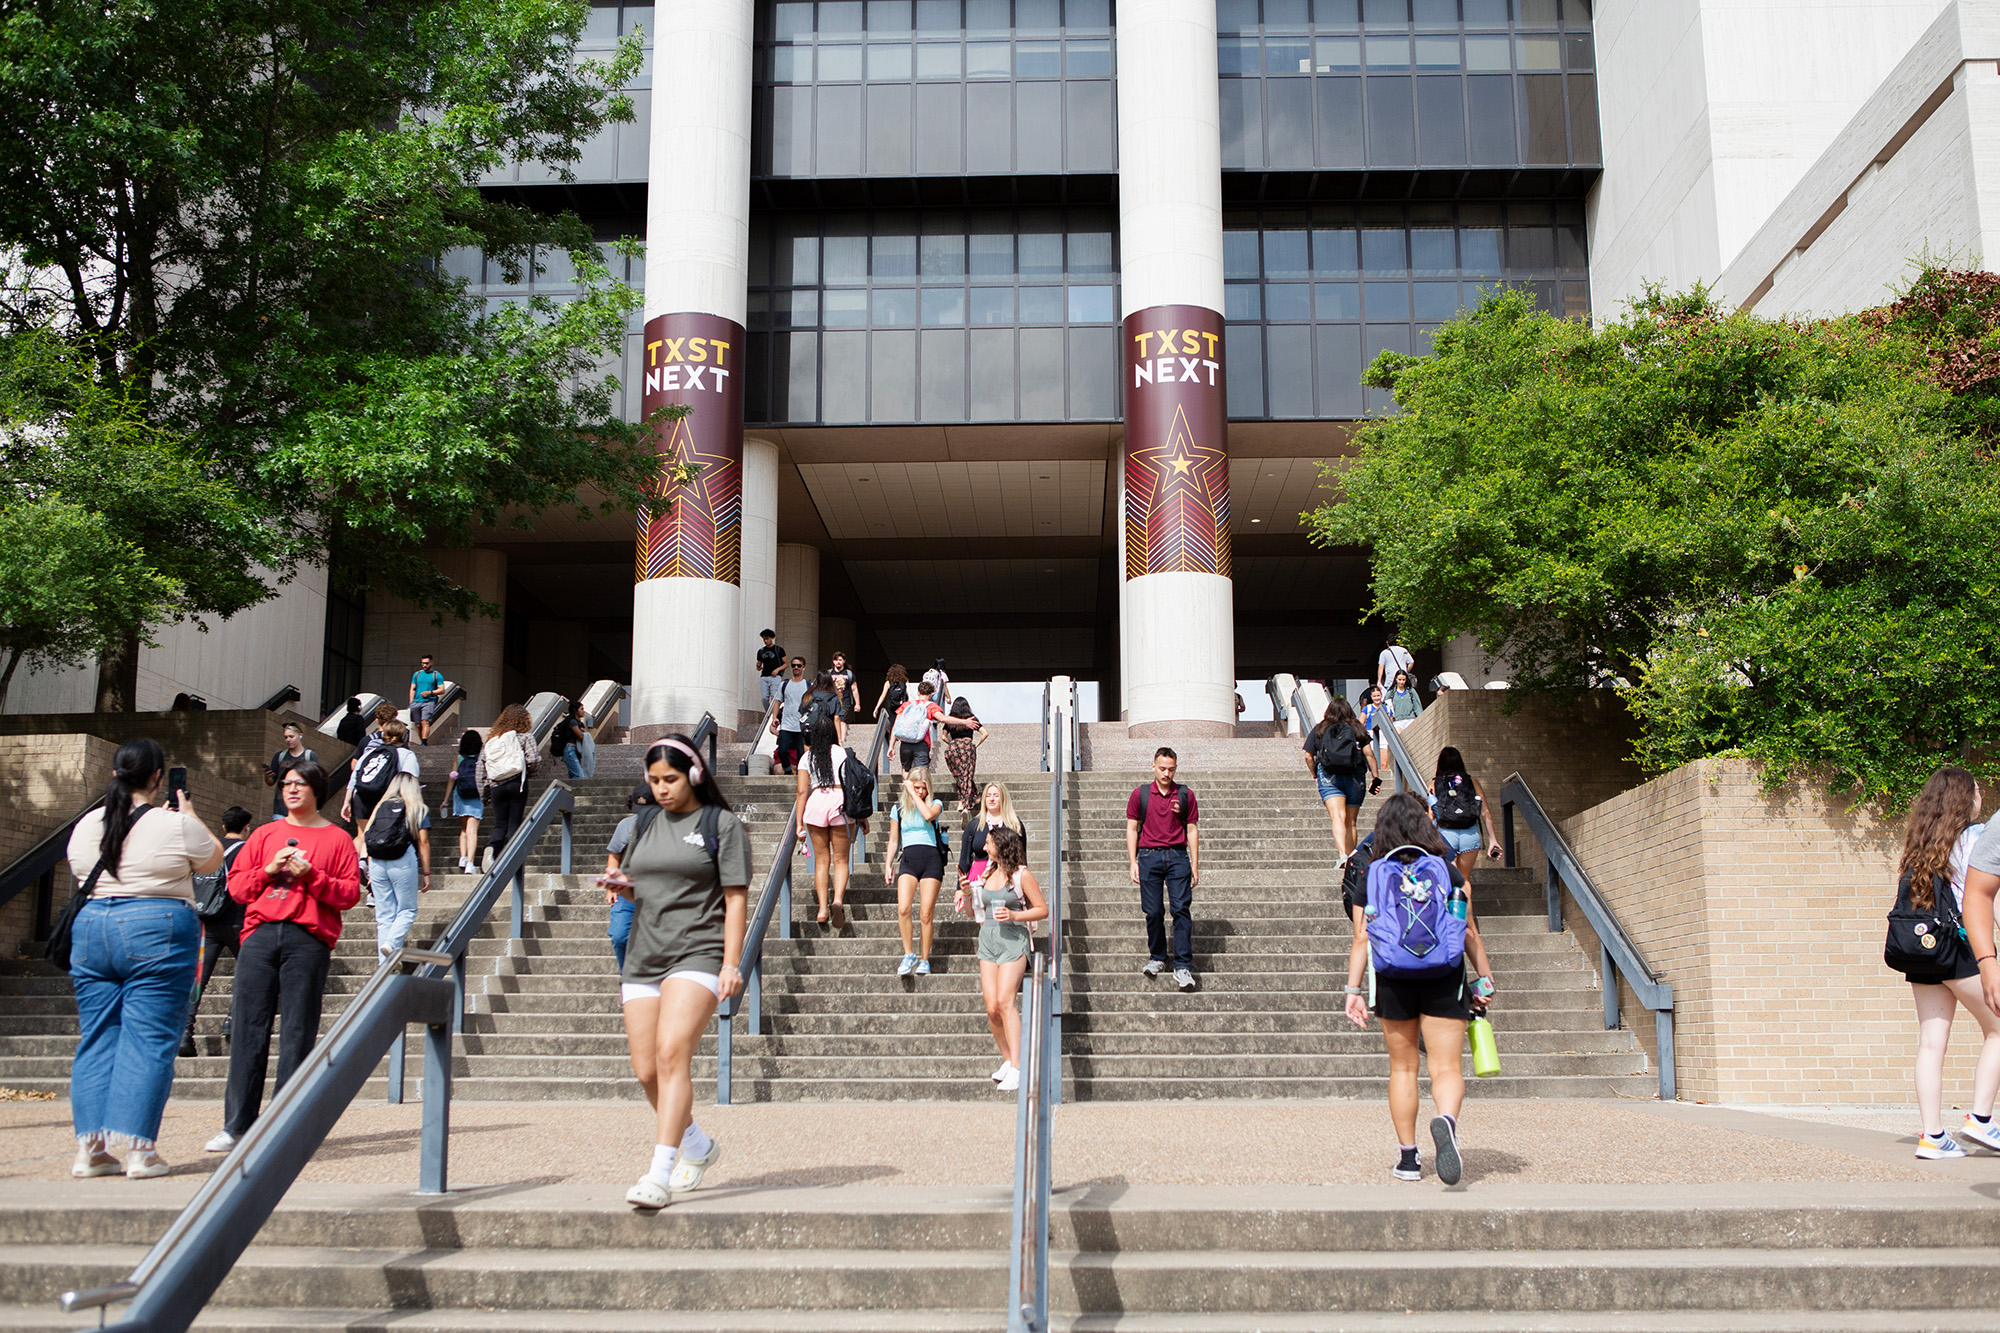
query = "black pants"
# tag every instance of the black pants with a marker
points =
(212, 945)
(280, 968)
(915, 754)
(506, 808)
(791, 744)
(1164, 872)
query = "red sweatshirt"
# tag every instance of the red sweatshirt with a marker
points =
(314, 901)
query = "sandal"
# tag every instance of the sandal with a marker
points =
(821, 918)
(648, 1194)
(688, 1171)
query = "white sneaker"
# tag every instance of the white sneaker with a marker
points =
(1001, 1072)
(1010, 1080)
(907, 966)
(1936, 1149)
(1986, 1135)
(222, 1142)
(1184, 978)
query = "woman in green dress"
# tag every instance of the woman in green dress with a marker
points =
(1004, 902)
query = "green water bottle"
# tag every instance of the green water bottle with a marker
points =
(1485, 1053)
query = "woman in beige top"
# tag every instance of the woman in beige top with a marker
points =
(134, 951)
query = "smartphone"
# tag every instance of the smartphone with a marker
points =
(177, 785)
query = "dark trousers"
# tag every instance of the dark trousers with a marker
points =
(280, 969)
(212, 945)
(791, 744)
(506, 809)
(1164, 872)
(915, 754)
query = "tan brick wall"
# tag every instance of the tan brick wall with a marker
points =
(43, 781)
(1765, 913)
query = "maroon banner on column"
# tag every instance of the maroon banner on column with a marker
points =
(697, 530)
(1176, 443)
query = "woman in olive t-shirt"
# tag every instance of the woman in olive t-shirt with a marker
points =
(682, 957)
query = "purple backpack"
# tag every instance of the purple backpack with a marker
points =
(1411, 929)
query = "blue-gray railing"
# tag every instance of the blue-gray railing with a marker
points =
(774, 901)
(1053, 891)
(1619, 956)
(1408, 776)
(178, 1275)
(1052, 748)
(283, 695)
(1075, 731)
(1041, 1066)
(37, 868)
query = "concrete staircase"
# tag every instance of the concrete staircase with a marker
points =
(520, 1258)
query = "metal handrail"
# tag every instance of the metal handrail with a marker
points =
(283, 695)
(178, 1275)
(1041, 1065)
(618, 695)
(1054, 893)
(38, 865)
(1075, 729)
(1408, 777)
(1045, 726)
(1279, 704)
(1619, 955)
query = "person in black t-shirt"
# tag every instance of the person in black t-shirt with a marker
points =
(284, 761)
(353, 726)
(770, 667)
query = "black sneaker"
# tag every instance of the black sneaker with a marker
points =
(1152, 969)
(1444, 1132)
(1409, 1166)
(187, 1044)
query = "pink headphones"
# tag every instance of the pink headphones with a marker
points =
(697, 772)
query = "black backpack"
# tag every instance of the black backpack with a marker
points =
(211, 892)
(1146, 799)
(1457, 803)
(1339, 750)
(466, 781)
(899, 694)
(1924, 945)
(857, 790)
(388, 842)
(377, 771)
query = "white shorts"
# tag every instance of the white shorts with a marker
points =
(629, 991)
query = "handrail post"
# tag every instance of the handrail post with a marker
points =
(432, 1174)
(1663, 1036)
(45, 904)
(457, 994)
(1507, 832)
(785, 896)
(1610, 975)
(519, 905)
(396, 1052)
(722, 1069)
(568, 840)
(1555, 893)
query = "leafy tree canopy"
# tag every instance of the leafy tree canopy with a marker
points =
(234, 214)
(1778, 535)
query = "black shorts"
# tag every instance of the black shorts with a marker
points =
(923, 860)
(1399, 999)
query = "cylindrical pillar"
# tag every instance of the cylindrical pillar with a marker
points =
(798, 604)
(1178, 621)
(686, 633)
(760, 565)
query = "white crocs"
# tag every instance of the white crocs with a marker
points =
(688, 1170)
(649, 1193)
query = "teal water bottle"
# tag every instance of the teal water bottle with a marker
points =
(1459, 903)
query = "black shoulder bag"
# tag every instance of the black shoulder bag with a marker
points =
(57, 950)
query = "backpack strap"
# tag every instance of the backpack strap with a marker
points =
(645, 816)
(1145, 803)
(711, 840)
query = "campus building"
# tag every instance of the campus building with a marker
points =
(1017, 332)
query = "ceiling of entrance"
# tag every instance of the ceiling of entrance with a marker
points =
(1006, 587)
(1016, 498)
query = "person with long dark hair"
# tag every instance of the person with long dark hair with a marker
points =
(895, 691)
(963, 735)
(1938, 838)
(506, 762)
(294, 877)
(1340, 759)
(135, 949)
(1432, 1007)
(1004, 902)
(821, 818)
(687, 872)
(1460, 810)
(466, 804)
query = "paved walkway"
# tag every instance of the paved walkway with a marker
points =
(1137, 1144)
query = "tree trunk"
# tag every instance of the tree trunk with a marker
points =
(118, 677)
(7, 676)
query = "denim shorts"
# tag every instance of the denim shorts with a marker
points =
(1462, 840)
(1352, 786)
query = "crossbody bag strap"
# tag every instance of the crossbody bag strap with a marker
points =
(96, 871)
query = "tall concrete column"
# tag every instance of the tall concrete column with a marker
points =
(687, 656)
(798, 604)
(760, 564)
(1178, 643)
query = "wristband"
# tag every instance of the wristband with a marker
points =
(1987, 959)
(1354, 990)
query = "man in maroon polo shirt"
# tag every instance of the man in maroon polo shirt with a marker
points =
(1163, 843)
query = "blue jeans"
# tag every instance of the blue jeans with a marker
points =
(1165, 872)
(133, 964)
(572, 760)
(394, 884)
(620, 929)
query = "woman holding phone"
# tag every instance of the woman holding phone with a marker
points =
(687, 872)
(1003, 902)
(917, 869)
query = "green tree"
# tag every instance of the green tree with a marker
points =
(1761, 529)
(237, 212)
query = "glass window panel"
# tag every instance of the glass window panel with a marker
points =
(1435, 13)
(791, 131)
(1239, 255)
(1392, 122)
(756, 379)
(939, 16)
(1042, 374)
(639, 17)
(1437, 53)
(993, 256)
(1038, 60)
(1441, 121)
(1092, 126)
(1570, 252)
(1488, 53)
(839, 64)
(1341, 139)
(1287, 300)
(1538, 53)
(1285, 254)
(1336, 13)
(791, 64)
(943, 258)
(840, 18)
(1243, 300)
(1087, 15)
(992, 372)
(1289, 350)
(844, 377)
(1485, 13)
(1333, 252)
(1339, 366)
(1385, 13)
(938, 149)
(893, 307)
(1376, 339)
(1290, 118)
(1434, 300)
(1089, 253)
(944, 306)
(888, 15)
(1041, 305)
(757, 310)
(989, 127)
(1578, 52)
(798, 256)
(846, 259)
(993, 305)
(1584, 144)
(804, 308)
(889, 130)
(1489, 105)
(795, 379)
(1536, 13)
(1242, 122)
(600, 25)
(635, 140)
(1479, 251)
(1432, 251)
(1287, 14)
(845, 309)
(1336, 55)
(1243, 369)
(1382, 250)
(1576, 299)
(1236, 15)
(462, 262)
(1285, 56)
(1530, 248)
(1041, 254)
(1388, 52)
(939, 60)
(557, 273)
(942, 358)
(1038, 130)
(887, 63)
(1386, 300)
(1238, 55)
(1093, 374)
(1037, 16)
(987, 17)
(1548, 137)
(892, 377)
(988, 60)
(894, 256)
(1577, 13)
(1544, 292)
(1091, 59)
(1090, 305)
(792, 19)
(1337, 300)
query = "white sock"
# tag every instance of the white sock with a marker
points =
(695, 1143)
(663, 1162)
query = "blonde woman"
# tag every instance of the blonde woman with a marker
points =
(398, 837)
(918, 870)
(1005, 901)
(996, 810)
